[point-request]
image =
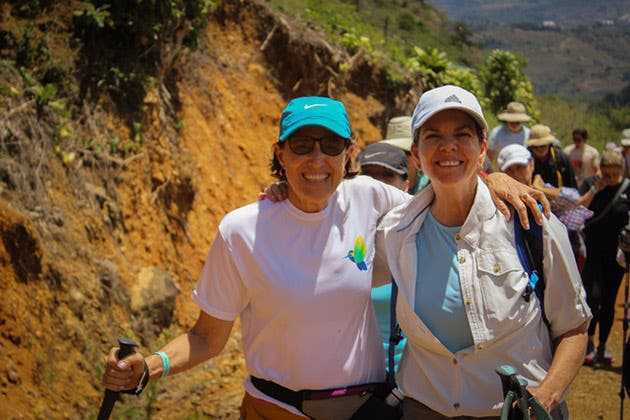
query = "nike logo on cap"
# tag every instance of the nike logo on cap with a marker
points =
(373, 154)
(313, 105)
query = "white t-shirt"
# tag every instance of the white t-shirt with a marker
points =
(306, 315)
(584, 161)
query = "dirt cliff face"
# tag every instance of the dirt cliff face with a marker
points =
(67, 269)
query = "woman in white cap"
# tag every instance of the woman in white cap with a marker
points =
(299, 275)
(462, 303)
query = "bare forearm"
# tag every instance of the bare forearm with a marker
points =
(566, 363)
(184, 352)
(204, 341)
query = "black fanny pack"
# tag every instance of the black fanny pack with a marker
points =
(373, 409)
(295, 398)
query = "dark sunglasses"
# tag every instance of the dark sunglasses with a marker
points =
(329, 145)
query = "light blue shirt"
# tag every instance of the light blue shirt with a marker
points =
(381, 298)
(501, 136)
(438, 299)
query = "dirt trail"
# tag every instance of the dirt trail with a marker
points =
(595, 392)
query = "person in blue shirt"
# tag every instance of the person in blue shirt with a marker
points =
(511, 131)
(388, 164)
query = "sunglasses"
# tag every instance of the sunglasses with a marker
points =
(329, 145)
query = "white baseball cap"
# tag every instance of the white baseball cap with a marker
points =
(513, 154)
(447, 97)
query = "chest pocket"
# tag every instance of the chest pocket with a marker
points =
(502, 282)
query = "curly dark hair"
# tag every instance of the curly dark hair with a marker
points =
(277, 171)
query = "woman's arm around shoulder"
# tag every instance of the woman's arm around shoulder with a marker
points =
(504, 189)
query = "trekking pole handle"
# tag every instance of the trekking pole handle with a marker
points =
(126, 348)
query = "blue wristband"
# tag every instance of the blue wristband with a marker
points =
(166, 363)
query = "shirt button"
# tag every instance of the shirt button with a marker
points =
(479, 347)
(496, 268)
(462, 260)
(454, 361)
(468, 301)
(457, 237)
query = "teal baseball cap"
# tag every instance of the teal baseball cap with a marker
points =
(315, 110)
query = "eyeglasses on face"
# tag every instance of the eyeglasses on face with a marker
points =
(329, 145)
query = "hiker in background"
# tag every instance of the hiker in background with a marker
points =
(566, 203)
(583, 157)
(512, 131)
(388, 164)
(602, 275)
(550, 162)
(399, 135)
(611, 145)
(461, 300)
(625, 151)
(555, 171)
(299, 275)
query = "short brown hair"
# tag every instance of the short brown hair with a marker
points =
(611, 158)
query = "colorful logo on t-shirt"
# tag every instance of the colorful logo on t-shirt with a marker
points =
(357, 255)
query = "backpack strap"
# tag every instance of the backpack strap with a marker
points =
(529, 246)
(622, 188)
(552, 152)
(395, 335)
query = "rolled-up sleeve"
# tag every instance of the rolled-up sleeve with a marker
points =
(565, 298)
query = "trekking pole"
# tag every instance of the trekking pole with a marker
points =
(624, 245)
(622, 393)
(127, 347)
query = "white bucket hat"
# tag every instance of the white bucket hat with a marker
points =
(540, 135)
(515, 112)
(399, 133)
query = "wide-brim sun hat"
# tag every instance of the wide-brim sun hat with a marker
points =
(513, 154)
(540, 135)
(515, 112)
(399, 133)
(315, 110)
(625, 137)
(443, 98)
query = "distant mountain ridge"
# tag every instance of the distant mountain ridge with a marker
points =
(563, 12)
(575, 49)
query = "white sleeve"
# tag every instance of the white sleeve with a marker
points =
(220, 292)
(565, 298)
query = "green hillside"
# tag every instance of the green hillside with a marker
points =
(577, 74)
